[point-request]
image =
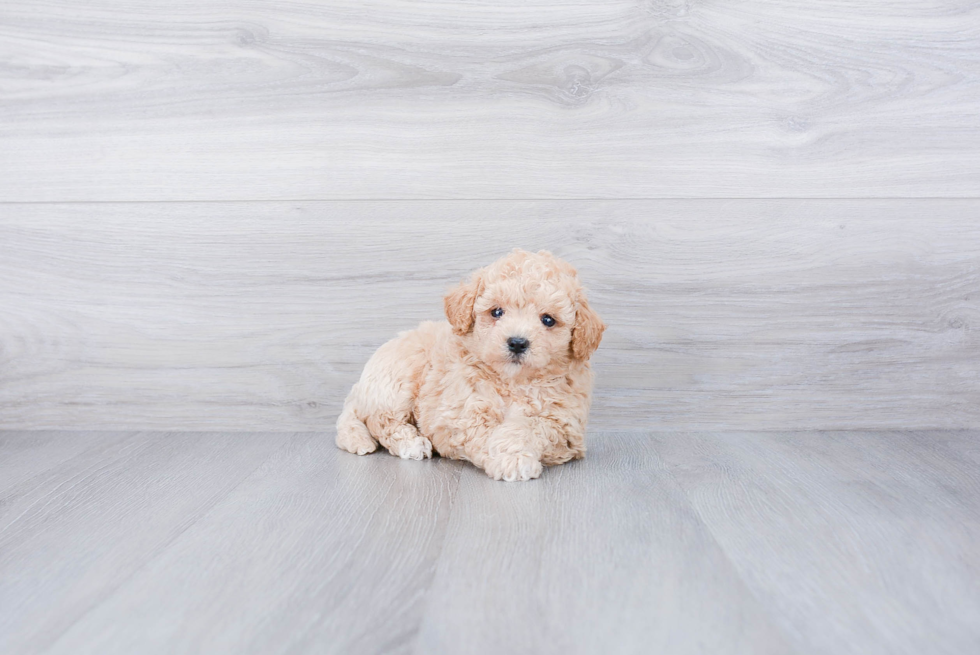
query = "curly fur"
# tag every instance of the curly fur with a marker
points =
(456, 387)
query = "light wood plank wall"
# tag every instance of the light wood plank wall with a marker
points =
(212, 212)
(736, 314)
(247, 99)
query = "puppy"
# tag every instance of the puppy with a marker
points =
(505, 384)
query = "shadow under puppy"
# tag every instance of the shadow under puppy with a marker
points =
(505, 384)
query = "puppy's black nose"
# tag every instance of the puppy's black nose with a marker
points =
(518, 345)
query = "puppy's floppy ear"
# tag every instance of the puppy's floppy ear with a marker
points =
(459, 303)
(588, 330)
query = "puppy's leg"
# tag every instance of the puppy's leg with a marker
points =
(352, 435)
(512, 453)
(400, 437)
(386, 397)
(389, 426)
(504, 445)
(517, 448)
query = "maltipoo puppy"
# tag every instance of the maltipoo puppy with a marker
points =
(505, 384)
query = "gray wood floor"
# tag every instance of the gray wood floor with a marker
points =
(738, 542)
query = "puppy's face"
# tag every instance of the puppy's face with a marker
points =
(525, 314)
(522, 324)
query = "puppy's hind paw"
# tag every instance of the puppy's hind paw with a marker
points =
(413, 448)
(356, 439)
(513, 467)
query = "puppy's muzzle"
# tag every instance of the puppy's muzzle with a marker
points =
(517, 346)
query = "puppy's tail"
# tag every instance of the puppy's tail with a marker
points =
(352, 435)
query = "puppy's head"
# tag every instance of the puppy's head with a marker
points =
(525, 314)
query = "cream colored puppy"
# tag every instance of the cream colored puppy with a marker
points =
(505, 384)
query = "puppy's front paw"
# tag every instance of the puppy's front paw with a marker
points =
(513, 467)
(413, 448)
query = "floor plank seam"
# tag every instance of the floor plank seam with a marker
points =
(74, 481)
(721, 549)
(427, 593)
(165, 547)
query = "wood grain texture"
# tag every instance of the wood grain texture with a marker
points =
(36, 464)
(245, 100)
(71, 537)
(603, 555)
(854, 542)
(318, 551)
(739, 542)
(772, 314)
(26, 456)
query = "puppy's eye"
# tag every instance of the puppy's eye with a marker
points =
(547, 320)
(496, 312)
